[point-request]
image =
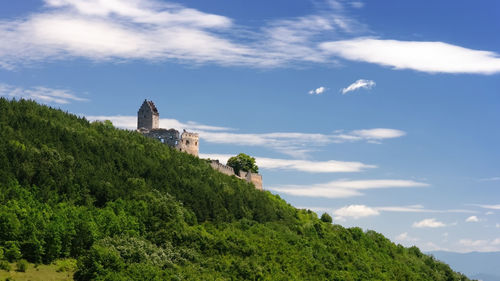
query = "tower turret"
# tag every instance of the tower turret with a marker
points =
(189, 143)
(148, 116)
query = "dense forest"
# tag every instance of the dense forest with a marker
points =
(130, 208)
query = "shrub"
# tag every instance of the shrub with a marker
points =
(22, 265)
(65, 265)
(12, 251)
(4, 265)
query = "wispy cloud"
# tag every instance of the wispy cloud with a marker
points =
(331, 166)
(355, 212)
(317, 91)
(405, 237)
(375, 134)
(421, 56)
(291, 143)
(357, 4)
(485, 206)
(153, 30)
(122, 30)
(480, 245)
(472, 219)
(299, 144)
(428, 223)
(359, 84)
(490, 179)
(344, 188)
(420, 209)
(40, 93)
(130, 123)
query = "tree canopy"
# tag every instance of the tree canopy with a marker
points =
(131, 208)
(243, 162)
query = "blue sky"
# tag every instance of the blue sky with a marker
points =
(383, 113)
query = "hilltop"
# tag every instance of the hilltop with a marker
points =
(130, 208)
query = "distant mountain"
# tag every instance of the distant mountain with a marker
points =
(476, 265)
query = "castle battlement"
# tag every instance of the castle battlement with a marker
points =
(148, 124)
(222, 168)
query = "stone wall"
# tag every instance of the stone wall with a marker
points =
(216, 165)
(169, 137)
(254, 178)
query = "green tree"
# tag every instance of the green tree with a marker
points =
(326, 218)
(243, 162)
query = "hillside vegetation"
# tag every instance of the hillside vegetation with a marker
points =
(130, 208)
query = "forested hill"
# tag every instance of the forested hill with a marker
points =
(131, 208)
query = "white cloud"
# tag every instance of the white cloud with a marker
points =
(143, 12)
(153, 30)
(40, 93)
(430, 247)
(344, 188)
(419, 209)
(291, 143)
(472, 219)
(357, 4)
(331, 166)
(299, 144)
(491, 179)
(480, 245)
(378, 134)
(296, 39)
(429, 57)
(121, 30)
(124, 30)
(404, 237)
(359, 84)
(130, 123)
(428, 223)
(492, 207)
(355, 212)
(317, 91)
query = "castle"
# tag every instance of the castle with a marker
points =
(148, 124)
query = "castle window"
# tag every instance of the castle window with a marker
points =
(196, 143)
(187, 142)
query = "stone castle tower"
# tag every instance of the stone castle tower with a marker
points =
(189, 143)
(148, 123)
(148, 116)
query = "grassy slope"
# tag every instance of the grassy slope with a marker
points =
(119, 201)
(42, 272)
